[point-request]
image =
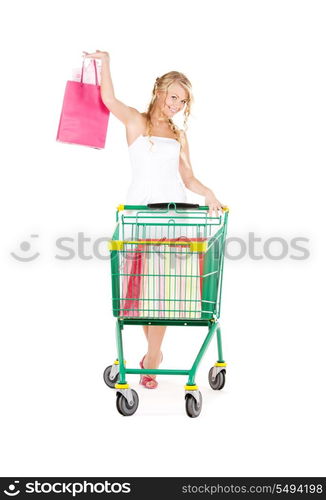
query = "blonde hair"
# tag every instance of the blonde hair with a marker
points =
(162, 83)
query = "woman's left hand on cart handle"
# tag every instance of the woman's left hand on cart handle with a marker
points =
(214, 205)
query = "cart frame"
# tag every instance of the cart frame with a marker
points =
(115, 374)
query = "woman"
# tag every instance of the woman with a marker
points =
(159, 155)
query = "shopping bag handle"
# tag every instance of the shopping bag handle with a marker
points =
(173, 205)
(82, 72)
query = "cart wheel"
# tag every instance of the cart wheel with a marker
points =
(218, 382)
(193, 408)
(123, 407)
(106, 375)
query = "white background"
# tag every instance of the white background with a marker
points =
(256, 137)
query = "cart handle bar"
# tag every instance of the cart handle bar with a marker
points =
(166, 205)
(194, 246)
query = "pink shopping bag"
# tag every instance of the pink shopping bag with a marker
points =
(84, 117)
(133, 274)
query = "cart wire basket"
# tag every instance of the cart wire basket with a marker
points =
(167, 269)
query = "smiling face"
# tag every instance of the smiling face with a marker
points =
(172, 101)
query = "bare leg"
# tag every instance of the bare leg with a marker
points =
(155, 335)
(145, 327)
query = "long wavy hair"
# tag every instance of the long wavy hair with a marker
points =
(162, 83)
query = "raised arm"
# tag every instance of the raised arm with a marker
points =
(123, 112)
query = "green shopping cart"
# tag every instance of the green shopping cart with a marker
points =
(167, 269)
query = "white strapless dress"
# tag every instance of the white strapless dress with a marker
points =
(155, 171)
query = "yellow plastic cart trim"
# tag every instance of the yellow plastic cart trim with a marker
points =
(115, 245)
(198, 246)
(116, 362)
(120, 207)
(226, 209)
(122, 386)
(195, 246)
(220, 364)
(191, 387)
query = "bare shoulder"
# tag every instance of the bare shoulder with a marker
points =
(140, 117)
(136, 126)
(126, 114)
(137, 120)
(137, 114)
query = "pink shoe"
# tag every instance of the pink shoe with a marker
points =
(145, 380)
